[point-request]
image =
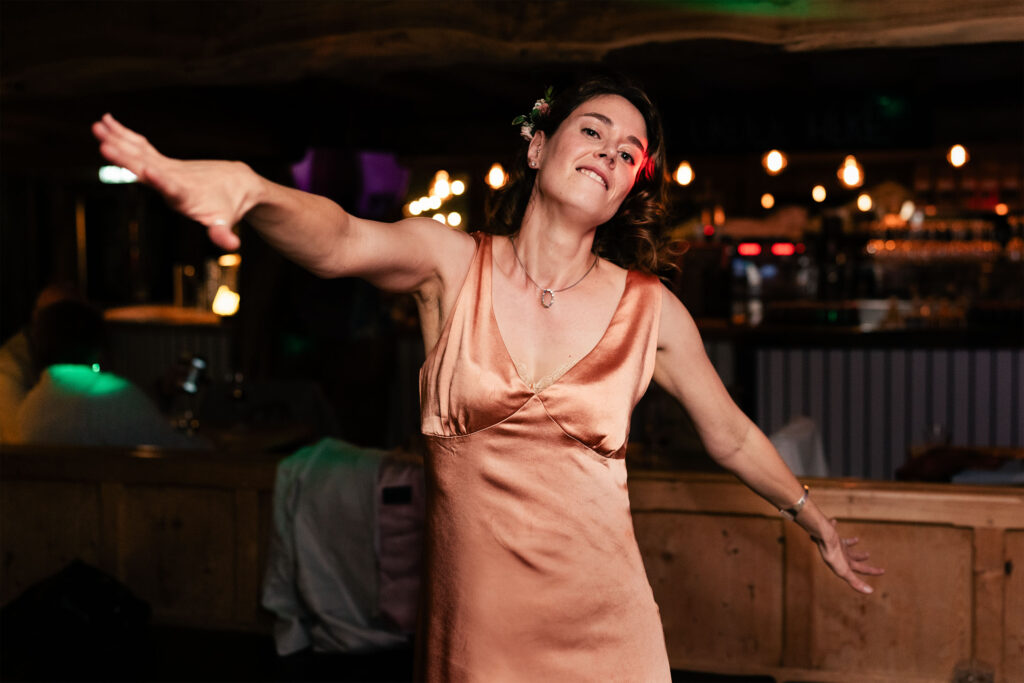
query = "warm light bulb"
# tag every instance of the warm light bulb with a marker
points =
(442, 188)
(774, 161)
(434, 202)
(907, 210)
(767, 200)
(229, 260)
(957, 156)
(1002, 209)
(458, 187)
(864, 202)
(415, 208)
(718, 215)
(684, 174)
(818, 193)
(225, 302)
(439, 217)
(454, 218)
(496, 177)
(850, 173)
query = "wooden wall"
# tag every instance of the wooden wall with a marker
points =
(740, 589)
(185, 531)
(743, 591)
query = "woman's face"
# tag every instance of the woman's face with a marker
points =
(593, 159)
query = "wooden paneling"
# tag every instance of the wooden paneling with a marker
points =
(904, 627)
(185, 531)
(742, 591)
(178, 550)
(717, 581)
(1013, 609)
(43, 526)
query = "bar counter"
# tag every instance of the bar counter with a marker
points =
(741, 590)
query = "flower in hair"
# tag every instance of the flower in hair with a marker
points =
(528, 122)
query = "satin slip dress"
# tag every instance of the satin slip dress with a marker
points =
(532, 569)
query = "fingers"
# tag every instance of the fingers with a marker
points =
(222, 235)
(117, 128)
(859, 585)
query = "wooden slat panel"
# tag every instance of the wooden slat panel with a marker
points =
(988, 598)
(178, 550)
(1013, 609)
(871, 633)
(965, 506)
(717, 581)
(43, 526)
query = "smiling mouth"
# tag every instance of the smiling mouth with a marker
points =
(595, 176)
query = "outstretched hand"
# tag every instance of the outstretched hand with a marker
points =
(839, 555)
(216, 194)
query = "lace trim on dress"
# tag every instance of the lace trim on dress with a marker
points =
(545, 381)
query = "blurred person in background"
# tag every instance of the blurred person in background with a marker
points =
(74, 402)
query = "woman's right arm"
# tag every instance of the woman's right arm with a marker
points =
(414, 255)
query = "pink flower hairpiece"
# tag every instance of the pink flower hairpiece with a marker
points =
(528, 122)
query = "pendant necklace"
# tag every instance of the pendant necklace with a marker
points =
(547, 295)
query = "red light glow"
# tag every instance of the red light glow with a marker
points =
(709, 230)
(783, 249)
(748, 249)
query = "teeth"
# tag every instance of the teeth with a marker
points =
(590, 174)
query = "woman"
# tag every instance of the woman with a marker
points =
(538, 347)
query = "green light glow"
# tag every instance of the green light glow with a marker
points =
(85, 379)
(765, 8)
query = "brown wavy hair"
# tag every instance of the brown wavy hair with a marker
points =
(635, 237)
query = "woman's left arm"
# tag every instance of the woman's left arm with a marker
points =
(682, 368)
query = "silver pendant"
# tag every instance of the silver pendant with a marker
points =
(546, 303)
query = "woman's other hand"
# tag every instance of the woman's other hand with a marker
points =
(847, 563)
(216, 194)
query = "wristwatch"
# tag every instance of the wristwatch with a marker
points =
(791, 513)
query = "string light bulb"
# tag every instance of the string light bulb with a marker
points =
(850, 173)
(774, 162)
(497, 177)
(957, 156)
(684, 173)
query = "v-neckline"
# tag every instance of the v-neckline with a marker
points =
(508, 354)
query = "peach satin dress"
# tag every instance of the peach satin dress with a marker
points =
(533, 571)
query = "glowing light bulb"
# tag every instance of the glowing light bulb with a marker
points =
(439, 217)
(850, 173)
(454, 218)
(496, 177)
(434, 202)
(818, 193)
(415, 208)
(458, 187)
(684, 173)
(225, 302)
(957, 156)
(1002, 209)
(907, 210)
(718, 215)
(864, 202)
(229, 260)
(442, 188)
(767, 200)
(774, 162)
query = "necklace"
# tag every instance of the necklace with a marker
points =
(547, 295)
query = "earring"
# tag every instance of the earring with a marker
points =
(533, 164)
